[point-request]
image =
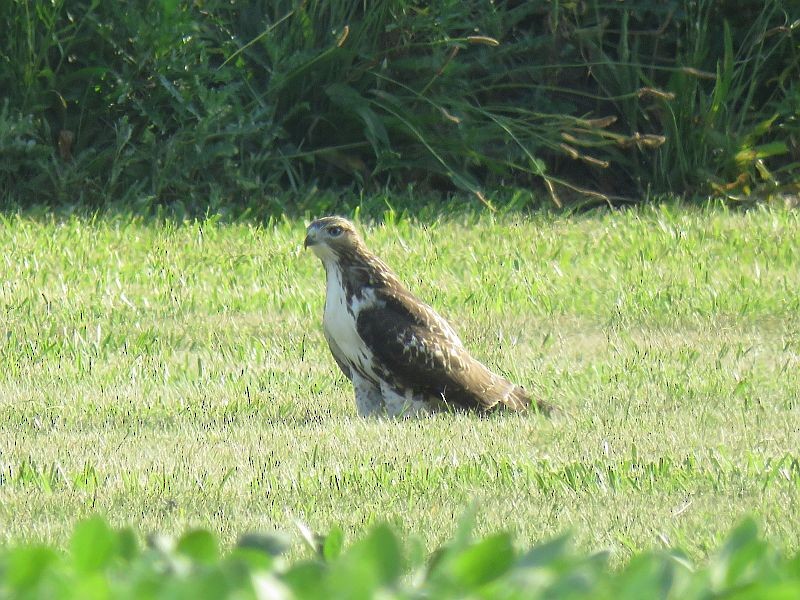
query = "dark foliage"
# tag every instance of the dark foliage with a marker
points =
(206, 105)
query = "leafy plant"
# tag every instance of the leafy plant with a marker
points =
(214, 105)
(103, 563)
(715, 82)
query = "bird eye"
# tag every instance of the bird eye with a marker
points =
(334, 230)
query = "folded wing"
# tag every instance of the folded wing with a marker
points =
(416, 348)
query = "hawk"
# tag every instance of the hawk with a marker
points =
(401, 356)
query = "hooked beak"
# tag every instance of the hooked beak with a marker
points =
(309, 241)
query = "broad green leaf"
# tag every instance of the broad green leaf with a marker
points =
(793, 567)
(381, 550)
(646, 576)
(483, 562)
(306, 579)
(92, 586)
(771, 149)
(255, 560)
(767, 590)
(25, 566)
(332, 546)
(199, 545)
(128, 545)
(547, 553)
(93, 545)
(748, 155)
(740, 552)
(370, 564)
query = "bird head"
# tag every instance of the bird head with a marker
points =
(330, 237)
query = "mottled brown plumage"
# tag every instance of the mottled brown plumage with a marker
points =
(399, 353)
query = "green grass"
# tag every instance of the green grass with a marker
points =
(175, 375)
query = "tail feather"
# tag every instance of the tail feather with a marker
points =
(519, 400)
(503, 394)
(484, 389)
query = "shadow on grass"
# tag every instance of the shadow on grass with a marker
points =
(380, 206)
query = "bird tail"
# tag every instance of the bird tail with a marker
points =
(519, 400)
(496, 392)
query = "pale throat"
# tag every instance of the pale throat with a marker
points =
(341, 303)
(333, 274)
(335, 300)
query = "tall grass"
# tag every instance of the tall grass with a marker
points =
(213, 104)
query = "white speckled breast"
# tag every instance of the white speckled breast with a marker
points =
(340, 323)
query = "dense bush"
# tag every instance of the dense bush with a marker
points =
(206, 104)
(103, 563)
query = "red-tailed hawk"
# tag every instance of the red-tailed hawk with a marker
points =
(402, 357)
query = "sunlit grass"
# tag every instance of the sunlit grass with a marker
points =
(171, 375)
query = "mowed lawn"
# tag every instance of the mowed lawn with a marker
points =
(175, 375)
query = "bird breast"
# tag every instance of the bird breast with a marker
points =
(340, 318)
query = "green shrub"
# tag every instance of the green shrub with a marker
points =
(103, 563)
(718, 80)
(24, 155)
(208, 104)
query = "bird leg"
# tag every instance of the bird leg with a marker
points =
(402, 404)
(368, 397)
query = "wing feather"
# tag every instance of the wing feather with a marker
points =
(417, 348)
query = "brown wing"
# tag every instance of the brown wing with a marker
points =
(417, 348)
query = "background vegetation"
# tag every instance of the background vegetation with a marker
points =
(213, 105)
